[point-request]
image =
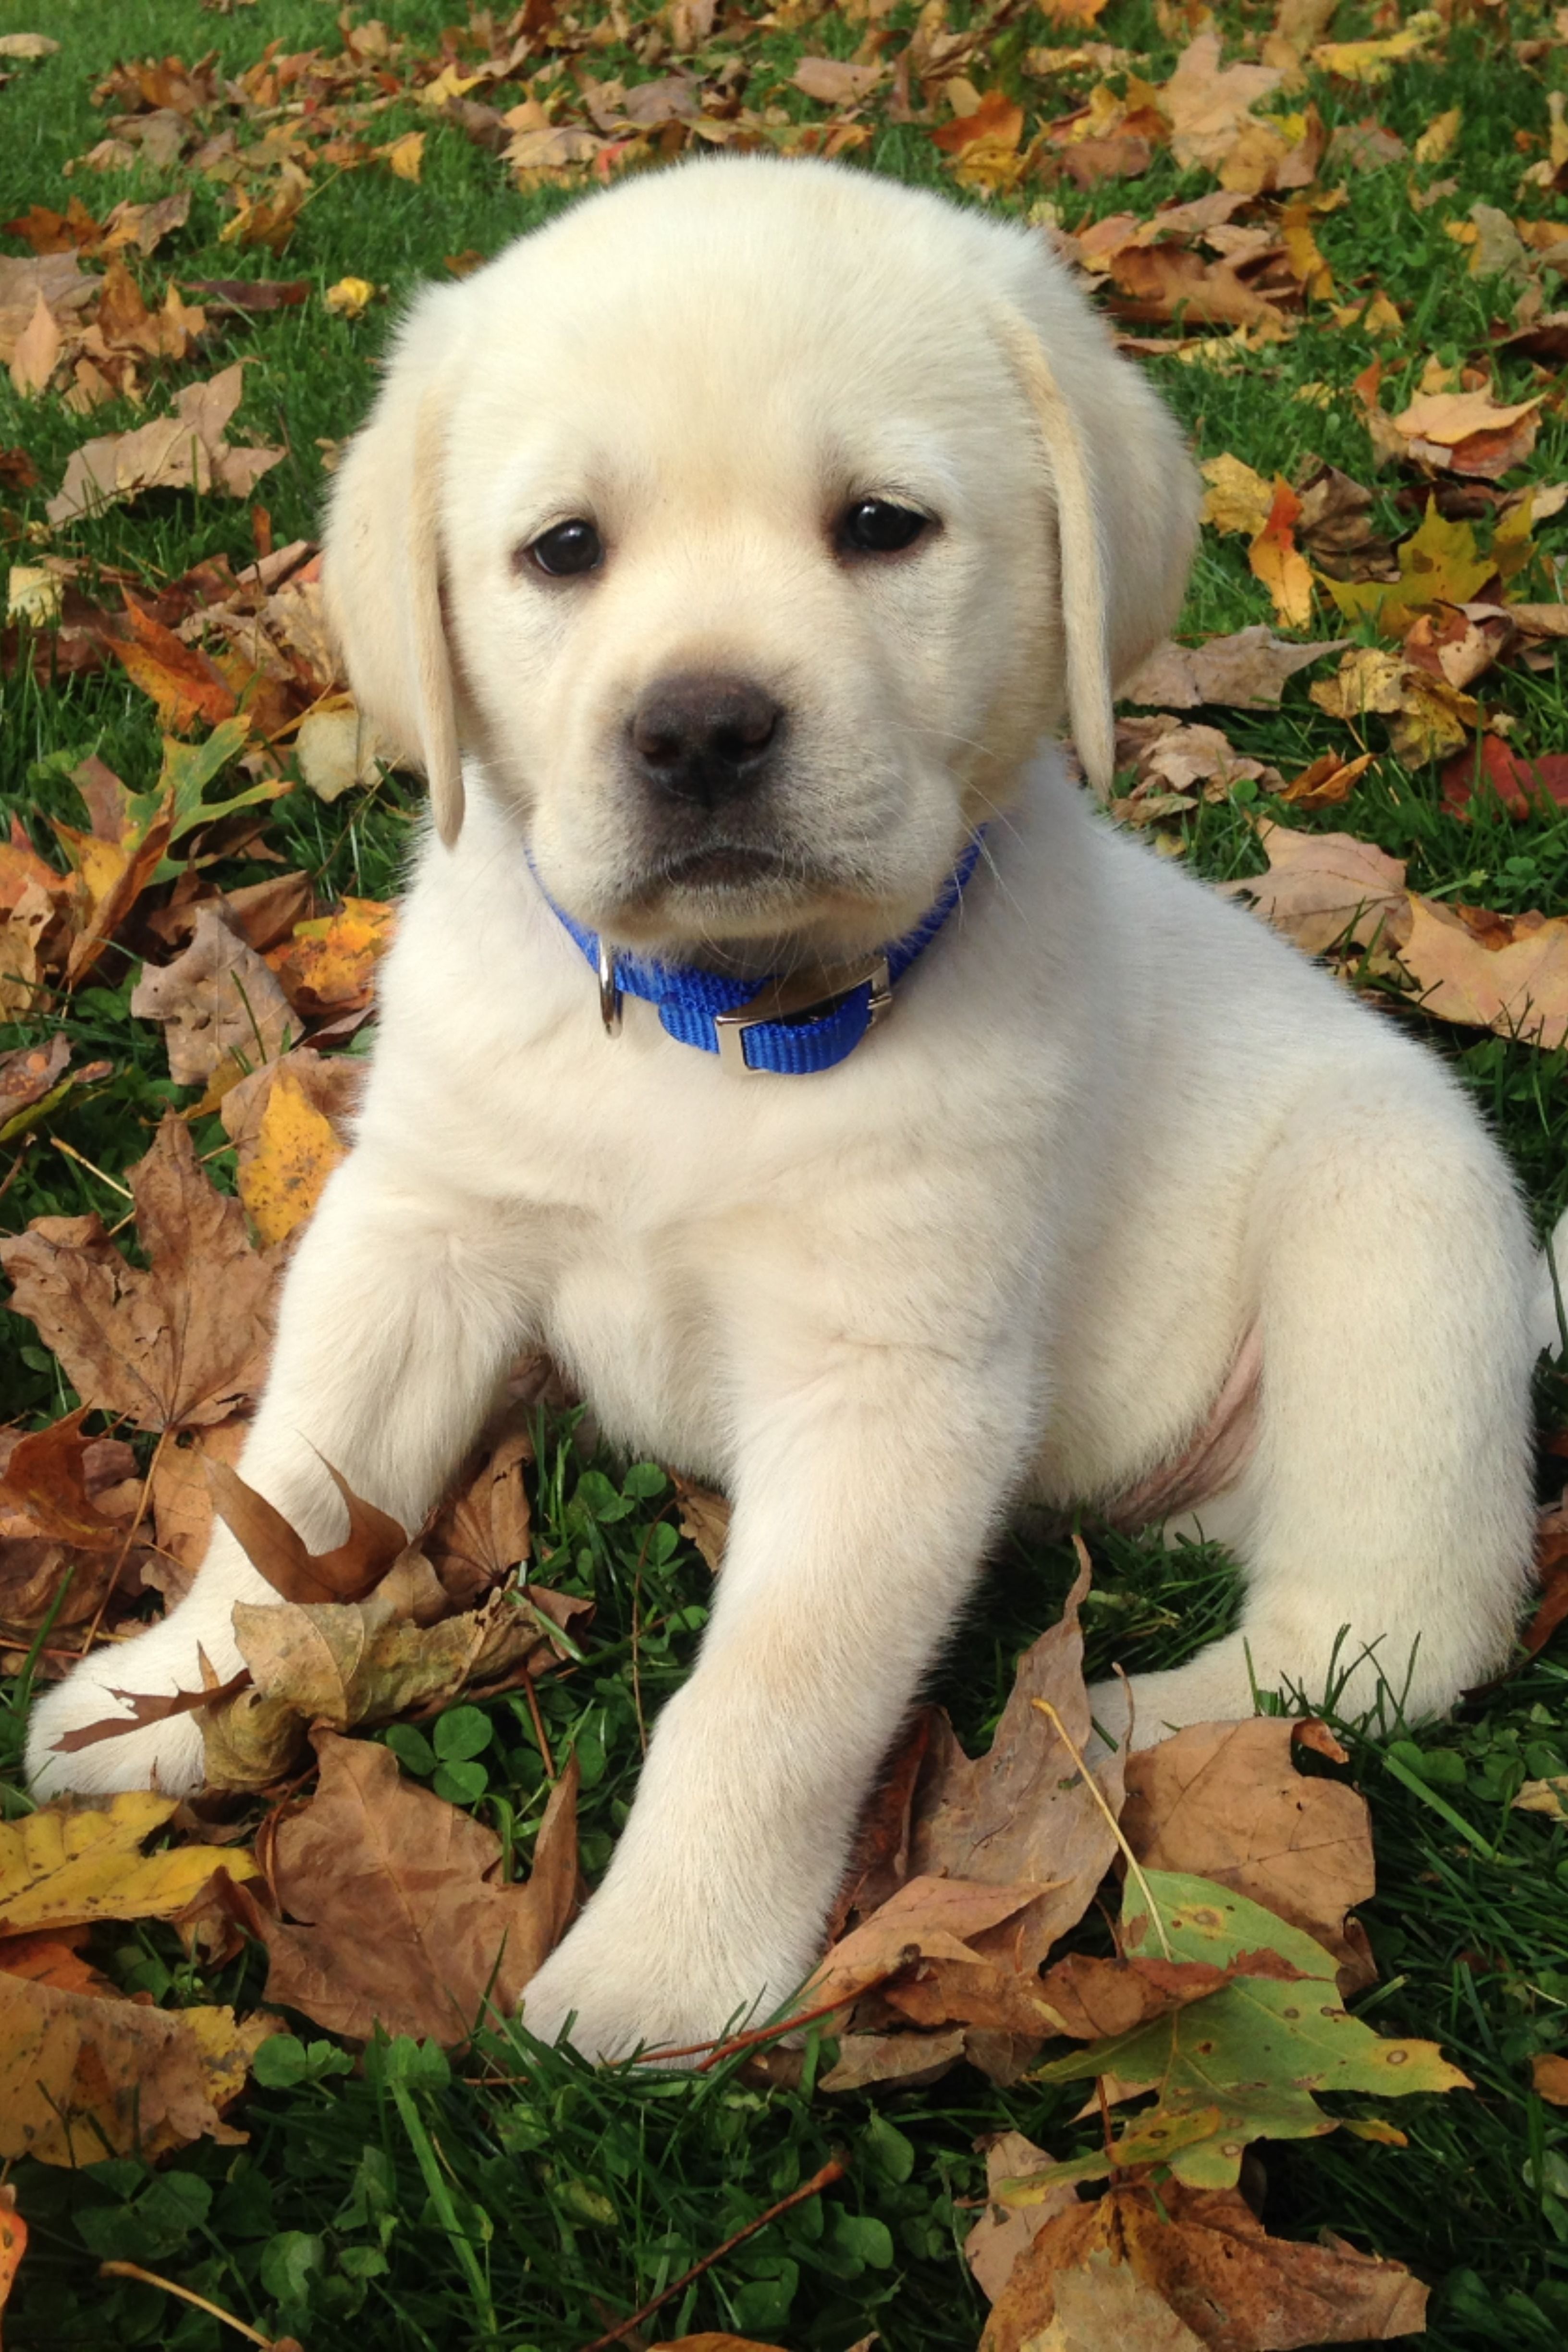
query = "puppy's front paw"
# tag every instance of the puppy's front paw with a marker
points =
(621, 1998)
(165, 1756)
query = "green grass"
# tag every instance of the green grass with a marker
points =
(398, 2200)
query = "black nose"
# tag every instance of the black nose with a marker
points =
(705, 739)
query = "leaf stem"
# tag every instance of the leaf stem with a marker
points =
(213, 2310)
(1098, 1794)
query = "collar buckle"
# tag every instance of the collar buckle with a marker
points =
(807, 997)
(609, 990)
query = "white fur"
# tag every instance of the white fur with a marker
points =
(1011, 1246)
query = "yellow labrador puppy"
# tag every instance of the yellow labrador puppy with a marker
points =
(728, 553)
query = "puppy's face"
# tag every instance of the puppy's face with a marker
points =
(717, 520)
(737, 542)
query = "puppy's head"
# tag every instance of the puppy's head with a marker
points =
(750, 525)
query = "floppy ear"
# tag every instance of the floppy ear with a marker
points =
(382, 567)
(1126, 498)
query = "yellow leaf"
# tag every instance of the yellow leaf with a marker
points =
(450, 84)
(405, 155)
(82, 2077)
(1236, 499)
(1370, 61)
(61, 1869)
(1278, 562)
(1308, 266)
(350, 298)
(1439, 137)
(296, 1152)
(1437, 565)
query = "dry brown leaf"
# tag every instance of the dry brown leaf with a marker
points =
(219, 1004)
(1470, 432)
(1495, 971)
(1549, 2077)
(930, 1918)
(1199, 2264)
(179, 1345)
(909, 2060)
(483, 1531)
(833, 82)
(1224, 1801)
(1209, 106)
(36, 352)
(1321, 887)
(182, 1504)
(1021, 1815)
(704, 1518)
(185, 451)
(348, 1572)
(393, 1910)
(1004, 2232)
(1247, 671)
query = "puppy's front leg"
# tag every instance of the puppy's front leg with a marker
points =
(864, 1495)
(396, 1323)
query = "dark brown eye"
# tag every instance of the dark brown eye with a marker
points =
(567, 548)
(877, 526)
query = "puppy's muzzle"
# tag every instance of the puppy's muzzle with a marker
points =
(705, 741)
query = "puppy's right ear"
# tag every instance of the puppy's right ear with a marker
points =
(380, 572)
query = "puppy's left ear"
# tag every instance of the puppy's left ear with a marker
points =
(1126, 496)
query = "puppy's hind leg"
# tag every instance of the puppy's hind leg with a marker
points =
(1388, 1505)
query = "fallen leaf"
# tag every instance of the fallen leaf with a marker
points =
(185, 451)
(1370, 62)
(339, 747)
(1277, 561)
(349, 1571)
(1246, 2063)
(1224, 1801)
(82, 2077)
(1247, 671)
(329, 966)
(1549, 2077)
(1491, 770)
(1327, 782)
(1509, 972)
(182, 1502)
(1428, 718)
(833, 82)
(1208, 105)
(44, 1490)
(1470, 432)
(350, 298)
(1322, 888)
(61, 1868)
(185, 685)
(391, 1908)
(1004, 2231)
(28, 1073)
(1237, 499)
(1549, 1797)
(1198, 2264)
(13, 2229)
(219, 1004)
(296, 1152)
(36, 352)
(1021, 1815)
(176, 1345)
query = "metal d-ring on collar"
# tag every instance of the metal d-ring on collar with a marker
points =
(787, 1026)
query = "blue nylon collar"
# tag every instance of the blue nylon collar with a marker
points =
(769, 1025)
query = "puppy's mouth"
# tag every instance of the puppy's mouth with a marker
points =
(747, 867)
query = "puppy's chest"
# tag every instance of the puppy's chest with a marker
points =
(629, 1318)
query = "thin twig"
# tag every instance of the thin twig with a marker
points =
(1098, 1794)
(831, 2171)
(215, 2310)
(538, 1721)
